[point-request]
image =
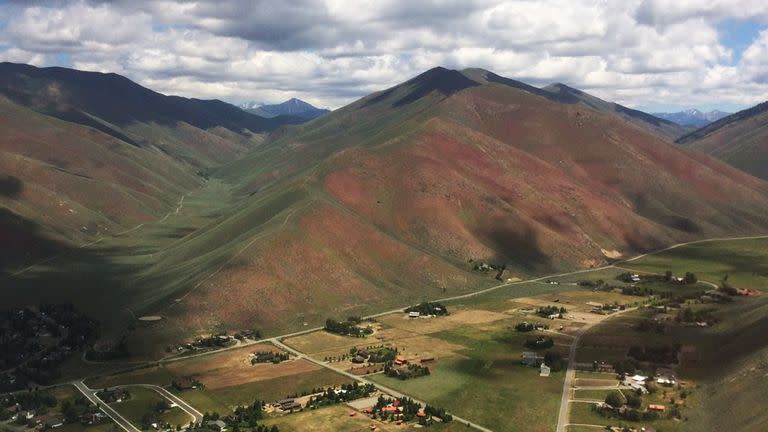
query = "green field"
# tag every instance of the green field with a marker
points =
(744, 261)
(143, 400)
(486, 383)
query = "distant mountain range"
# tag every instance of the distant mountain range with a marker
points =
(693, 117)
(292, 107)
(741, 139)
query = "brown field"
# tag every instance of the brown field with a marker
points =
(233, 367)
(411, 345)
(456, 319)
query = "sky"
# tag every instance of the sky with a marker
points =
(655, 55)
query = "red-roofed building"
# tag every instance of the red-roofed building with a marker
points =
(656, 407)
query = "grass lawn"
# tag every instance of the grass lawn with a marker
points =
(591, 394)
(486, 383)
(144, 400)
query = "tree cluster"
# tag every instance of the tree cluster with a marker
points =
(407, 372)
(347, 328)
(546, 311)
(429, 308)
(539, 342)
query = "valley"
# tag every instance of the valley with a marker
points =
(474, 353)
(459, 251)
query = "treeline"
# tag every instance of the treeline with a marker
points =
(428, 308)
(404, 373)
(546, 311)
(408, 410)
(347, 392)
(350, 327)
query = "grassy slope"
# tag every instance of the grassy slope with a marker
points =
(738, 345)
(740, 139)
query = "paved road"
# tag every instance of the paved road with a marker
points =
(387, 390)
(570, 373)
(106, 409)
(195, 415)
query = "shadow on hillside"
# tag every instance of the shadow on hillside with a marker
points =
(10, 186)
(63, 274)
(519, 247)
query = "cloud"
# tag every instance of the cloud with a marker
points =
(638, 52)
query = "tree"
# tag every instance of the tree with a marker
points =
(615, 399)
(634, 400)
(690, 278)
(668, 275)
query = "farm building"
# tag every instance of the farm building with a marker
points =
(530, 358)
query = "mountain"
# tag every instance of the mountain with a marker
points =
(658, 126)
(394, 198)
(693, 117)
(740, 139)
(292, 107)
(89, 154)
(390, 200)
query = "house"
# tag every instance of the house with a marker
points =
(54, 422)
(638, 387)
(217, 425)
(665, 381)
(358, 359)
(544, 370)
(414, 314)
(530, 358)
(634, 278)
(400, 360)
(289, 404)
(656, 407)
(183, 384)
(639, 378)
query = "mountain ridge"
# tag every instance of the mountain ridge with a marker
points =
(692, 117)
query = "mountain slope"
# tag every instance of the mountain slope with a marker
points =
(86, 154)
(740, 139)
(292, 107)
(692, 117)
(658, 126)
(397, 192)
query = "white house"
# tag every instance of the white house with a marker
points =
(544, 370)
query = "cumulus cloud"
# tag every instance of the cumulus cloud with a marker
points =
(329, 52)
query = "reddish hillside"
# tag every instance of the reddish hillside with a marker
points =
(403, 188)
